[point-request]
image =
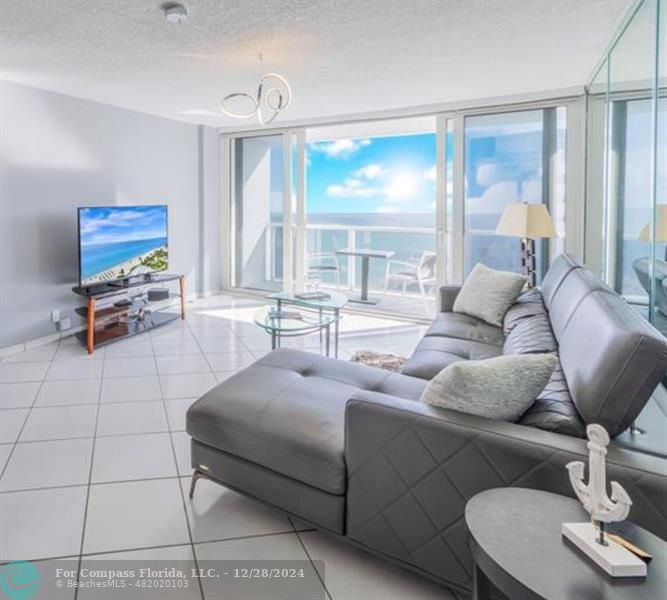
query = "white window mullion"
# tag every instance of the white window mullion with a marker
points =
(300, 271)
(287, 211)
(458, 209)
(614, 177)
(575, 173)
(227, 214)
(441, 198)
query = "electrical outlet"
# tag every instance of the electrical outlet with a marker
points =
(64, 324)
(55, 315)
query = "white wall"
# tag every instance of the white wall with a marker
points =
(210, 214)
(58, 153)
(255, 210)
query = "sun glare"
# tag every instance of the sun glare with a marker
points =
(404, 184)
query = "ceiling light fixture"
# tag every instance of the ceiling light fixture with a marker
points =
(175, 13)
(275, 99)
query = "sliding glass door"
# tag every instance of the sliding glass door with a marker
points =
(423, 195)
(510, 158)
(371, 187)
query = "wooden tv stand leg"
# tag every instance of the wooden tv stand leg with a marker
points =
(181, 285)
(90, 333)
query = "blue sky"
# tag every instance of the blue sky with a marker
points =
(122, 224)
(380, 175)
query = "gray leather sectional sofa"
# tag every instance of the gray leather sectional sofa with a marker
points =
(351, 450)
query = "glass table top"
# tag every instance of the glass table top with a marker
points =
(335, 301)
(267, 318)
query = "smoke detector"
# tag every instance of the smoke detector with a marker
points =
(175, 13)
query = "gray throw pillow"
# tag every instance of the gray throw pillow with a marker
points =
(501, 388)
(487, 294)
(528, 304)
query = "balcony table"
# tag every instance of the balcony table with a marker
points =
(366, 256)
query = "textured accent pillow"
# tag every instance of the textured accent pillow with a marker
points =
(487, 294)
(501, 388)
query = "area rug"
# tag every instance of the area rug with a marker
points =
(389, 362)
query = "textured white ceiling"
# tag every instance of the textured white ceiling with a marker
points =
(341, 56)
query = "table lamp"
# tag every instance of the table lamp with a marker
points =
(528, 222)
(660, 227)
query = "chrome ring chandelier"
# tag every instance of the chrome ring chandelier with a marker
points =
(273, 94)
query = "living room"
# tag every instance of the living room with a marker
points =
(330, 299)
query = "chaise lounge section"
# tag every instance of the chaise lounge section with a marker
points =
(351, 450)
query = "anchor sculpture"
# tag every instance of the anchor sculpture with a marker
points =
(590, 537)
(593, 496)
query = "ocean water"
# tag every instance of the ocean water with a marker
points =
(96, 258)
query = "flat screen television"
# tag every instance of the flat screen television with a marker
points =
(118, 242)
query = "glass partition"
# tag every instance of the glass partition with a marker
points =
(627, 182)
(659, 305)
(631, 146)
(632, 140)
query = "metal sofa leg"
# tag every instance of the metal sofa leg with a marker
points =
(196, 476)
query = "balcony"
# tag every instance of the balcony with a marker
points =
(407, 243)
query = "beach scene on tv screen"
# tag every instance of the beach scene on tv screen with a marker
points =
(118, 242)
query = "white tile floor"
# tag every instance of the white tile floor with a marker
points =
(94, 459)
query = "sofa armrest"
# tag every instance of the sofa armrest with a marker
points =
(448, 294)
(412, 468)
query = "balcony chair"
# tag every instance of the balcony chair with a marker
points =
(419, 270)
(322, 263)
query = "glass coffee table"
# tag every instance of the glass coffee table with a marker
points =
(331, 305)
(292, 323)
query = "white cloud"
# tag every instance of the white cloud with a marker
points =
(430, 173)
(352, 188)
(358, 185)
(385, 208)
(370, 172)
(395, 186)
(340, 148)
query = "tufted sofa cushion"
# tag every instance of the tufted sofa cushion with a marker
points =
(528, 304)
(527, 326)
(554, 410)
(286, 413)
(531, 336)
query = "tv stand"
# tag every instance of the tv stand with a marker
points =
(134, 280)
(106, 322)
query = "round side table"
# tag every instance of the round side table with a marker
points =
(518, 549)
(279, 327)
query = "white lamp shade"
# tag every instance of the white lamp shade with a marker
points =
(660, 226)
(530, 221)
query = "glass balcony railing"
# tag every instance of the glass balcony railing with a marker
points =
(407, 244)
